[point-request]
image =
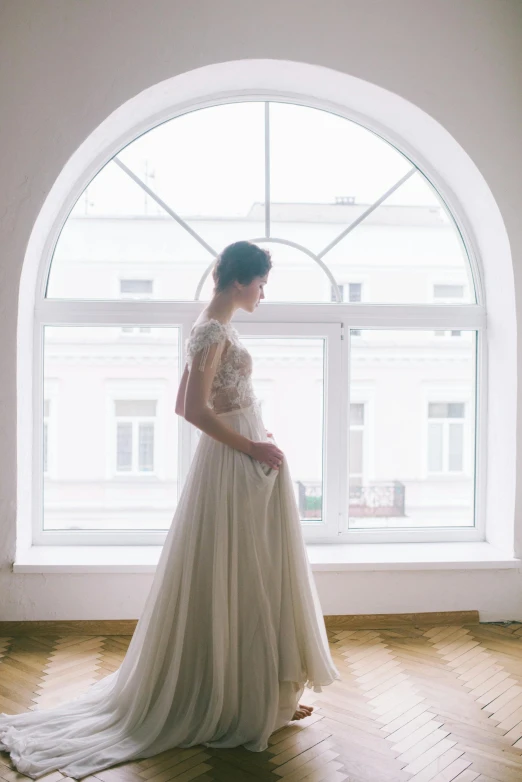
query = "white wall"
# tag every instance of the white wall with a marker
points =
(66, 66)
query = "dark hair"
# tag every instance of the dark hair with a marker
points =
(241, 261)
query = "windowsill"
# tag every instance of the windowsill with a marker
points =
(322, 557)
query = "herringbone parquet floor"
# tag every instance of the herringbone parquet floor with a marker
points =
(426, 704)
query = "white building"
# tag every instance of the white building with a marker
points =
(111, 444)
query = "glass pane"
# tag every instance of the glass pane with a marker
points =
(208, 166)
(124, 447)
(93, 250)
(399, 247)
(435, 434)
(322, 167)
(282, 365)
(208, 163)
(102, 452)
(456, 447)
(420, 389)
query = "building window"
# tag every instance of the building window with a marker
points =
(136, 290)
(448, 294)
(352, 292)
(135, 428)
(446, 437)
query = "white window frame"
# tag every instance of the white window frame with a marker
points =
(401, 123)
(472, 317)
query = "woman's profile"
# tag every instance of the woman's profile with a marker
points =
(232, 631)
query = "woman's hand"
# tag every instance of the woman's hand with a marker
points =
(268, 453)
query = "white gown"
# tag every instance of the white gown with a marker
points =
(232, 629)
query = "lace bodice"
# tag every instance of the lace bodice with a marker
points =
(232, 386)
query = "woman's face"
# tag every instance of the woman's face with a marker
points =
(252, 294)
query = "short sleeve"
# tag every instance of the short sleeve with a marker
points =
(202, 338)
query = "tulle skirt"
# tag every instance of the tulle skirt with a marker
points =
(230, 635)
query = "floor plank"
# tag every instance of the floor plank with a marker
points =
(419, 704)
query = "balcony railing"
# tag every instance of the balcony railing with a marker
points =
(377, 500)
(381, 499)
(310, 499)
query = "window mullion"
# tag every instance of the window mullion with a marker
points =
(267, 169)
(357, 315)
(344, 431)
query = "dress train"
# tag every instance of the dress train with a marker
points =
(231, 633)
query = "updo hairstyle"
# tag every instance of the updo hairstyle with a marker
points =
(241, 261)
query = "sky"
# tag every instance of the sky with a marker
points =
(211, 162)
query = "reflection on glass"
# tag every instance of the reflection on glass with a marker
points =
(288, 380)
(412, 429)
(110, 436)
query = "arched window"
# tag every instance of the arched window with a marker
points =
(366, 350)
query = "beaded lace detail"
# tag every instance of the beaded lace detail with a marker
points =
(232, 385)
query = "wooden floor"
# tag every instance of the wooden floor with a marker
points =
(427, 704)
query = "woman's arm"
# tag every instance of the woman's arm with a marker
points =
(180, 399)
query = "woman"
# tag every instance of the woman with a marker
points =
(232, 629)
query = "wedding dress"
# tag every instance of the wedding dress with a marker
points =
(232, 629)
